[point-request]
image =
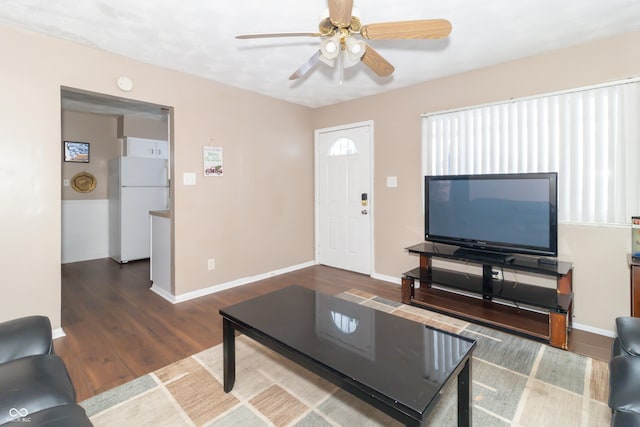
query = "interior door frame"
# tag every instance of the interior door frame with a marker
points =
(368, 124)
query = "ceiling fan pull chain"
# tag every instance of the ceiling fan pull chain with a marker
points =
(341, 66)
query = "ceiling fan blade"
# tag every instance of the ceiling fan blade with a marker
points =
(304, 68)
(262, 36)
(421, 29)
(340, 12)
(377, 63)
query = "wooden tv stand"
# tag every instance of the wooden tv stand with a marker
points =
(533, 311)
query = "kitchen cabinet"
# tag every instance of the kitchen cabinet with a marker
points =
(143, 147)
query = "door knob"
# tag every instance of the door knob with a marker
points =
(364, 212)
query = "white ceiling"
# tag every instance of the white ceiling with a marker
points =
(197, 37)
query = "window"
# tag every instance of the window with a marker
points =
(590, 137)
(343, 147)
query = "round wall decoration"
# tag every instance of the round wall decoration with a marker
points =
(83, 182)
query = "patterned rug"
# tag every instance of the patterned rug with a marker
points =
(516, 382)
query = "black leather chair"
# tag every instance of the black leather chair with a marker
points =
(57, 416)
(624, 374)
(27, 336)
(625, 419)
(35, 388)
(628, 340)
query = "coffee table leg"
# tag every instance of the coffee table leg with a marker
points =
(464, 395)
(229, 354)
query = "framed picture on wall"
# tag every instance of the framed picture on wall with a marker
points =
(76, 152)
(213, 161)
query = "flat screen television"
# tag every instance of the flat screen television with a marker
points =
(497, 213)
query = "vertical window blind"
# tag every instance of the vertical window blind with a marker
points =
(591, 137)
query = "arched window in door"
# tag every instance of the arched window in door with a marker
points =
(343, 147)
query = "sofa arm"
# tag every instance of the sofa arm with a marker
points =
(70, 415)
(32, 384)
(27, 336)
(628, 329)
(624, 384)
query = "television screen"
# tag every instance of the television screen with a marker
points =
(503, 212)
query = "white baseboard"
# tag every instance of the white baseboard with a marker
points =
(597, 331)
(384, 277)
(232, 284)
(57, 333)
(163, 293)
(244, 281)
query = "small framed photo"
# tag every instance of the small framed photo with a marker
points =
(76, 152)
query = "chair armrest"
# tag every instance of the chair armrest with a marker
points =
(69, 415)
(628, 329)
(26, 336)
(31, 384)
(624, 384)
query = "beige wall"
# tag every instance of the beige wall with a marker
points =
(100, 132)
(258, 217)
(239, 218)
(601, 278)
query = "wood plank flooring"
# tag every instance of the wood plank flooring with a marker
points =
(117, 329)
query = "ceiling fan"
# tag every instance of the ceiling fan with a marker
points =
(342, 33)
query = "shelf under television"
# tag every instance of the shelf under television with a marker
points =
(505, 290)
(540, 312)
(490, 313)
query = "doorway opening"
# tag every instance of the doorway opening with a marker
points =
(104, 124)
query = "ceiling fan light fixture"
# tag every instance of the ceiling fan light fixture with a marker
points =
(330, 62)
(355, 47)
(353, 52)
(342, 38)
(330, 47)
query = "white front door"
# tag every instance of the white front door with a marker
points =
(343, 197)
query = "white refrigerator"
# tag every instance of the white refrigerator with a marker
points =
(136, 186)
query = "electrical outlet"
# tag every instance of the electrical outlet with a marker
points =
(496, 274)
(211, 264)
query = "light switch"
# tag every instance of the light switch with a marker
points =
(392, 181)
(189, 178)
(65, 182)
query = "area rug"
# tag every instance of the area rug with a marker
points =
(516, 382)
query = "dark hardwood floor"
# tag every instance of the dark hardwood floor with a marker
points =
(117, 329)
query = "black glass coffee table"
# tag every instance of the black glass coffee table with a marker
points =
(396, 365)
